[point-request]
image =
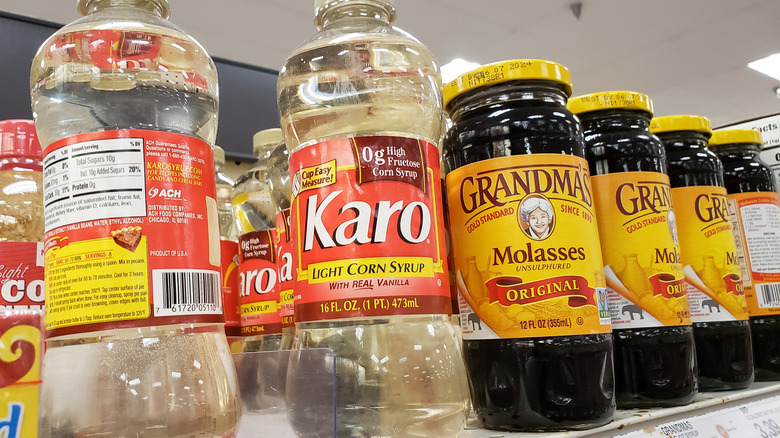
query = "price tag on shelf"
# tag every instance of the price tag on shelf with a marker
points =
(763, 417)
(760, 419)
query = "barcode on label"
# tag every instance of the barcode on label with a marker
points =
(768, 295)
(186, 292)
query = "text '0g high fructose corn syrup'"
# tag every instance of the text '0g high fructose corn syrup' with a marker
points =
(755, 214)
(655, 361)
(526, 252)
(716, 294)
(360, 108)
(125, 105)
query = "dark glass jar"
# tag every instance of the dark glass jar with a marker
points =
(655, 363)
(510, 126)
(749, 181)
(718, 308)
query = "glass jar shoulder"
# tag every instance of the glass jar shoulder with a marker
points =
(512, 128)
(623, 150)
(746, 173)
(693, 166)
(348, 83)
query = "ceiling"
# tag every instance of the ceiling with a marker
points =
(690, 56)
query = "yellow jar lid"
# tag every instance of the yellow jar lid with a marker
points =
(504, 71)
(629, 100)
(732, 136)
(680, 123)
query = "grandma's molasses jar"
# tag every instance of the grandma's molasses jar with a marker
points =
(526, 252)
(755, 214)
(655, 362)
(714, 281)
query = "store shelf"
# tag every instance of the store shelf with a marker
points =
(728, 414)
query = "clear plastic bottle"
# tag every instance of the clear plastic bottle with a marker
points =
(125, 105)
(255, 214)
(359, 93)
(228, 235)
(279, 179)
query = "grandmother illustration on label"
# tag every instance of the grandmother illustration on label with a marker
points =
(537, 217)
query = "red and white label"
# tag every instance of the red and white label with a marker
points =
(131, 232)
(21, 275)
(368, 222)
(258, 282)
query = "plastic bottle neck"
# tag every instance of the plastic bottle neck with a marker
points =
(263, 152)
(512, 91)
(159, 8)
(343, 13)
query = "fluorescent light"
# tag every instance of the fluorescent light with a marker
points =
(455, 68)
(769, 66)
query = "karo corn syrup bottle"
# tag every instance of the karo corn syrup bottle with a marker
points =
(279, 181)
(716, 294)
(125, 106)
(536, 330)
(228, 244)
(360, 107)
(655, 361)
(255, 214)
(754, 209)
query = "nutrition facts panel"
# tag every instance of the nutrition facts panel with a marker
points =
(91, 180)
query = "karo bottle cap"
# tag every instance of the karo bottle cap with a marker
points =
(266, 140)
(736, 136)
(504, 71)
(680, 123)
(219, 155)
(19, 139)
(627, 100)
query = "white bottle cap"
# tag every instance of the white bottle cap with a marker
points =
(266, 139)
(219, 155)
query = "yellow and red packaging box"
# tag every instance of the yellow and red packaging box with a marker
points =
(20, 362)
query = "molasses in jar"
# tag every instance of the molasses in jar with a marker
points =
(754, 209)
(714, 280)
(655, 362)
(526, 252)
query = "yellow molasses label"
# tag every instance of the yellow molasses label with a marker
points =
(709, 255)
(642, 262)
(526, 251)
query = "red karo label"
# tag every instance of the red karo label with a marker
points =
(368, 222)
(258, 282)
(130, 235)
